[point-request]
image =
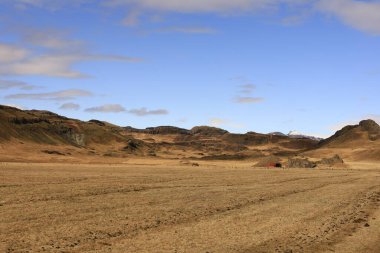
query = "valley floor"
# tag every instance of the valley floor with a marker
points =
(226, 208)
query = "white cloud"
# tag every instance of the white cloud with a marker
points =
(54, 64)
(69, 106)
(218, 6)
(218, 122)
(58, 95)
(197, 5)
(47, 4)
(47, 65)
(248, 100)
(132, 19)
(193, 30)
(48, 52)
(9, 84)
(145, 112)
(10, 53)
(361, 15)
(116, 108)
(113, 108)
(247, 88)
(49, 38)
(182, 120)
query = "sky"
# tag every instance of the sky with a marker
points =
(244, 65)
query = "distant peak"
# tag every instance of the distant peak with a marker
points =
(294, 132)
(277, 133)
(369, 125)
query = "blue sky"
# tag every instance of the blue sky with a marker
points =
(246, 65)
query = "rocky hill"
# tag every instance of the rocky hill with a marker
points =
(33, 131)
(365, 132)
(354, 142)
(45, 127)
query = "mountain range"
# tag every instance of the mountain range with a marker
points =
(36, 135)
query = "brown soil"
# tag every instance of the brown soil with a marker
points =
(162, 207)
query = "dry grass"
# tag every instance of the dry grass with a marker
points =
(226, 207)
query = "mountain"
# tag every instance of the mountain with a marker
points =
(43, 127)
(354, 142)
(366, 132)
(41, 135)
(277, 133)
(296, 134)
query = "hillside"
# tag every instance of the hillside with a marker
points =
(45, 127)
(31, 133)
(353, 142)
(366, 132)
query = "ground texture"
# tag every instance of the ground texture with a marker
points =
(124, 208)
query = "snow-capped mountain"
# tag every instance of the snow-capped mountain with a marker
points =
(296, 134)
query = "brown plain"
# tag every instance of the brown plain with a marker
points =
(163, 206)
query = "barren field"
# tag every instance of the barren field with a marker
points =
(224, 208)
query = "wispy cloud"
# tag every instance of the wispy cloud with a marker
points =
(218, 122)
(132, 18)
(247, 88)
(52, 64)
(191, 6)
(248, 100)
(362, 15)
(47, 4)
(49, 38)
(108, 108)
(116, 108)
(58, 95)
(48, 52)
(245, 91)
(145, 112)
(10, 54)
(182, 120)
(70, 106)
(9, 84)
(190, 30)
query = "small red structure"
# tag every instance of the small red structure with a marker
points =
(275, 165)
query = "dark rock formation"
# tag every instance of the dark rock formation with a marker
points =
(300, 163)
(208, 131)
(166, 130)
(335, 160)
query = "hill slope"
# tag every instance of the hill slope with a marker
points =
(354, 142)
(367, 131)
(33, 131)
(45, 127)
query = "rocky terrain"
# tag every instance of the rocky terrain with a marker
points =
(53, 134)
(73, 186)
(31, 135)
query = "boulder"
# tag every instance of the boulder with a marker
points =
(301, 163)
(335, 160)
